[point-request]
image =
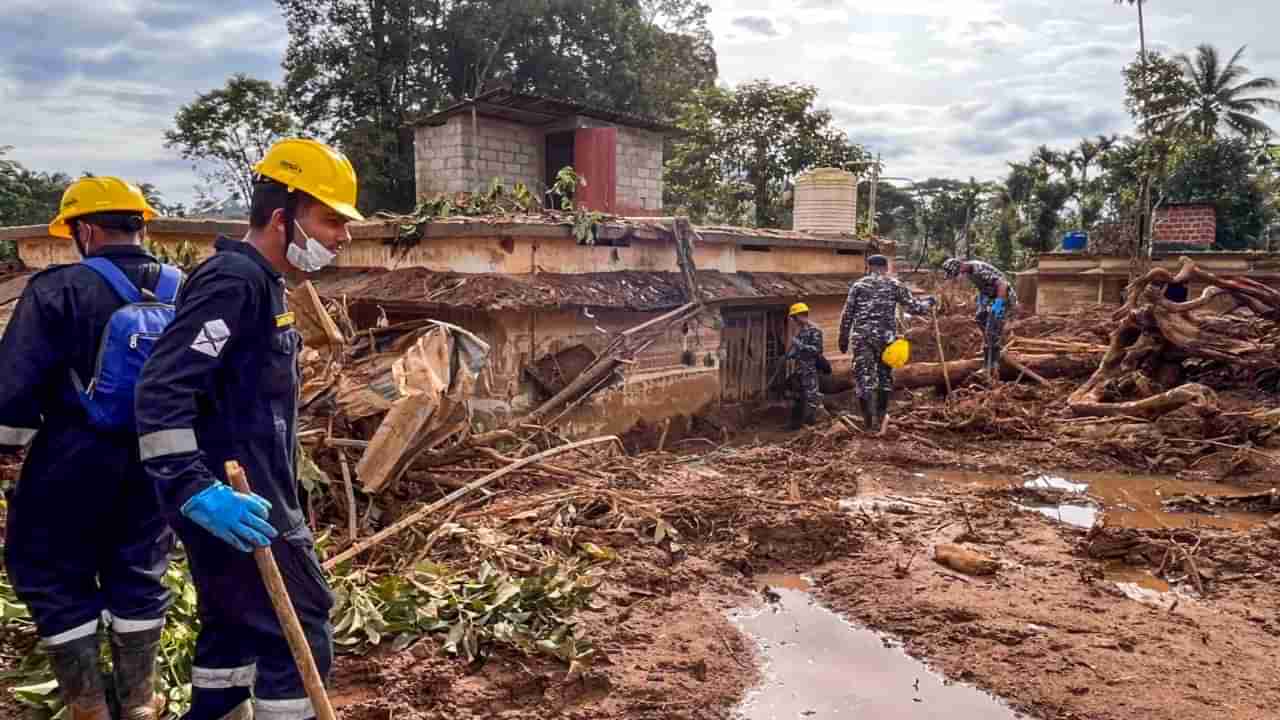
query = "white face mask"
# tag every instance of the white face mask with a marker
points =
(314, 258)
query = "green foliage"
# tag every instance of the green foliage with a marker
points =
(363, 70)
(498, 200)
(895, 210)
(182, 254)
(473, 612)
(1218, 95)
(1155, 92)
(1224, 172)
(743, 145)
(28, 197)
(35, 685)
(228, 130)
(948, 211)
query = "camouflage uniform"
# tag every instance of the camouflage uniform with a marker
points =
(987, 279)
(870, 312)
(805, 349)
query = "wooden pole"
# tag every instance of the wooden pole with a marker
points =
(417, 516)
(288, 617)
(942, 355)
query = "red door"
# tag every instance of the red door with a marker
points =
(595, 159)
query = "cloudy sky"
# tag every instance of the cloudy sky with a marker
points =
(941, 87)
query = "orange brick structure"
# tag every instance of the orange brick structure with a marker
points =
(1194, 224)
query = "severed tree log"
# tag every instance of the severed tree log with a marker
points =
(1047, 366)
(1233, 321)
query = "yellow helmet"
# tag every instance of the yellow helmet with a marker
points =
(797, 309)
(90, 195)
(316, 169)
(897, 354)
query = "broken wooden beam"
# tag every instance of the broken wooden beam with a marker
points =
(417, 516)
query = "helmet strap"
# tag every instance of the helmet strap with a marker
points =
(75, 237)
(290, 213)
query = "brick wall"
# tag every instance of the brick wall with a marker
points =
(639, 172)
(1185, 225)
(453, 158)
(448, 159)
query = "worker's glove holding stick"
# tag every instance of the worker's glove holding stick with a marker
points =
(237, 519)
(997, 308)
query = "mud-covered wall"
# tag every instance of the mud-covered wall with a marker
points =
(543, 249)
(650, 399)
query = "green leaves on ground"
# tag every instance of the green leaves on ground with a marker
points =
(474, 611)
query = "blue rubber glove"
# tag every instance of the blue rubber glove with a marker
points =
(997, 308)
(237, 519)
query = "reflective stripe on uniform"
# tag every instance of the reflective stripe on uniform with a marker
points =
(16, 436)
(167, 442)
(299, 709)
(124, 627)
(74, 633)
(223, 678)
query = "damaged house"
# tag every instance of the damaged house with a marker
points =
(548, 305)
(709, 302)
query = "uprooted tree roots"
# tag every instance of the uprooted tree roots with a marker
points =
(1234, 321)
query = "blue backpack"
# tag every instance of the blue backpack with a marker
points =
(127, 341)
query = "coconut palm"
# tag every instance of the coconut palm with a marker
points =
(1220, 95)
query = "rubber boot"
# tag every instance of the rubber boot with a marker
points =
(75, 665)
(882, 409)
(810, 414)
(866, 405)
(797, 415)
(133, 660)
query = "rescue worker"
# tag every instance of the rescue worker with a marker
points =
(870, 321)
(806, 348)
(85, 537)
(996, 299)
(222, 384)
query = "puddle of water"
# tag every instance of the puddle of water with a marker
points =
(1120, 573)
(790, 582)
(1130, 501)
(821, 666)
(1081, 516)
(1053, 482)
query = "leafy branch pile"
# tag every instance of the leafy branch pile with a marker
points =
(474, 611)
(500, 201)
(32, 677)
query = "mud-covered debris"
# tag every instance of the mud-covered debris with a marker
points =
(964, 560)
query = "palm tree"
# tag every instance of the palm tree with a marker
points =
(1142, 29)
(1219, 95)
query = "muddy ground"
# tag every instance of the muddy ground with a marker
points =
(1052, 633)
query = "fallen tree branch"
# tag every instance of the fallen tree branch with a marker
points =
(1153, 335)
(418, 515)
(1022, 369)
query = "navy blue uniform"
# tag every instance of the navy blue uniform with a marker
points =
(222, 384)
(85, 533)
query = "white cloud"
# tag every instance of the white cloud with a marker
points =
(940, 87)
(962, 87)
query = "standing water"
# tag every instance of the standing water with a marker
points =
(1128, 501)
(821, 666)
